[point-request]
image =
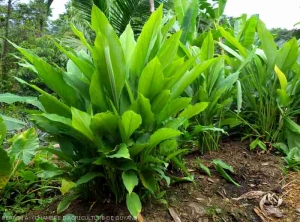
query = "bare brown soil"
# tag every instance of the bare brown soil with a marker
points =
(212, 198)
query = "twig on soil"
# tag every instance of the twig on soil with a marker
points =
(289, 183)
(287, 192)
(262, 215)
(174, 215)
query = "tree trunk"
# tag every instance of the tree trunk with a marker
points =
(152, 7)
(5, 43)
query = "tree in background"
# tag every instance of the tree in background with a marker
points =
(28, 25)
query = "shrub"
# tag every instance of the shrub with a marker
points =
(119, 110)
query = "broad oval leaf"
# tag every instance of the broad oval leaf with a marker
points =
(133, 203)
(129, 123)
(130, 180)
(24, 146)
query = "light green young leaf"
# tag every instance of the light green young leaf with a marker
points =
(133, 203)
(128, 43)
(111, 66)
(193, 110)
(66, 185)
(145, 42)
(189, 77)
(160, 101)
(122, 152)
(80, 35)
(172, 108)
(287, 55)
(130, 180)
(129, 123)
(208, 48)
(81, 121)
(267, 43)
(181, 7)
(24, 146)
(168, 50)
(142, 106)
(161, 135)
(85, 66)
(152, 79)
(228, 36)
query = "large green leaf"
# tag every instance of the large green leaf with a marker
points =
(121, 152)
(129, 123)
(81, 121)
(287, 55)
(168, 50)
(5, 168)
(12, 123)
(25, 145)
(104, 123)
(97, 92)
(232, 40)
(207, 48)
(248, 33)
(111, 66)
(145, 42)
(181, 7)
(49, 102)
(188, 24)
(148, 179)
(172, 108)
(108, 54)
(189, 77)
(152, 79)
(85, 66)
(160, 101)
(133, 203)
(128, 43)
(11, 98)
(80, 35)
(193, 110)
(267, 43)
(142, 106)
(162, 134)
(52, 77)
(130, 180)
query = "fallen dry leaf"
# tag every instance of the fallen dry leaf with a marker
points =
(251, 195)
(273, 211)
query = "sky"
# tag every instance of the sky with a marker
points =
(274, 13)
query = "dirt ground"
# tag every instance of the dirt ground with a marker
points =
(265, 194)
